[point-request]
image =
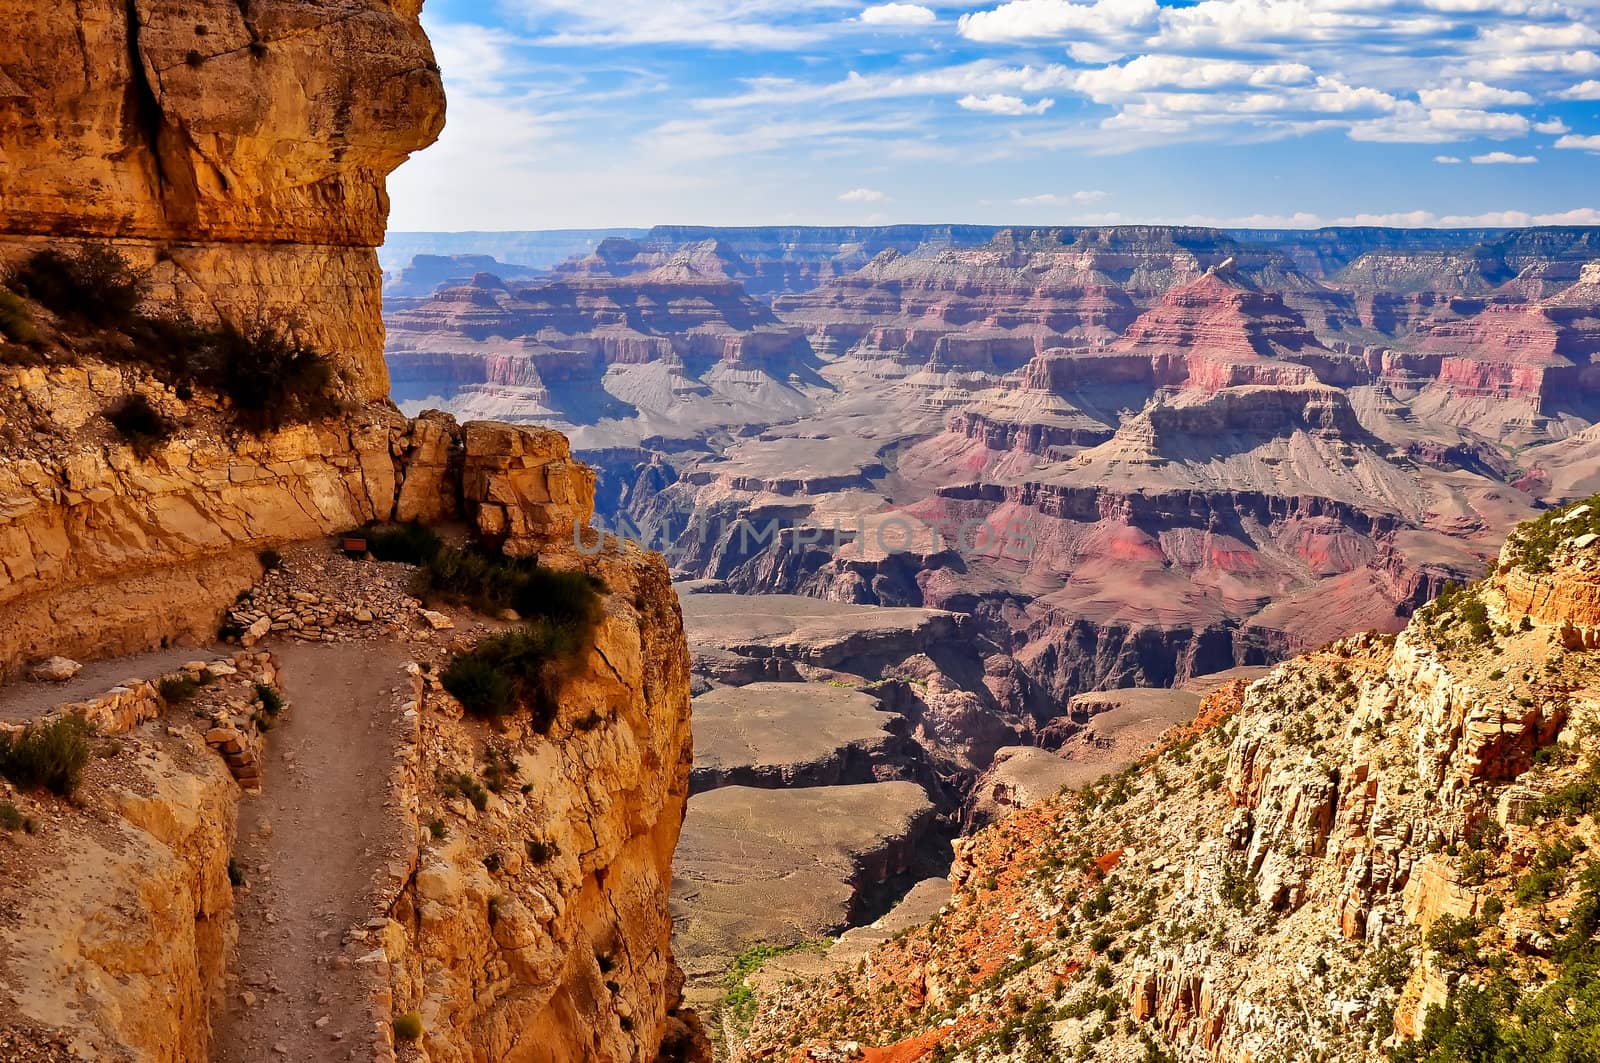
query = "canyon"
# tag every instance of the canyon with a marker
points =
(922, 642)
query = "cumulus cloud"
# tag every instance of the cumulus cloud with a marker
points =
(1584, 90)
(1503, 158)
(1551, 127)
(1025, 20)
(1473, 94)
(1574, 142)
(862, 195)
(1448, 160)
(899, 15)
(999, 103)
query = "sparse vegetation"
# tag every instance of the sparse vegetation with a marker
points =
(271, 560)
(408, 1027)
(92, 286)
(11, 818)
(140, 424)
(269, 374)
(271, 699)
(49, 756)
(516, 669)
(1533, 544)
(180, 687)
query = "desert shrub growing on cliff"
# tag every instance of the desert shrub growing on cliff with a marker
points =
(273, 378)
(517, 669)
(16, 323)
(48, 755)
(412, 544)
(490, 583)
(140, 424)
(408, 1027)
(92, 286)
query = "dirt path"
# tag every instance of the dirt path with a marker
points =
(25, 700)
(311, 847)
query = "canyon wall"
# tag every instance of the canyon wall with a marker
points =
(238, 151)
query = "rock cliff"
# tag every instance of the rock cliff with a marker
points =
(234, 155)
(1369, 832)
(237, 150)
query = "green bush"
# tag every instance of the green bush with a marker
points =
(140, 424)
(516, 669)
(92, 286)
(273, 378)
(49, 755)
(412, 544)
(271, 560)
(408, 1027)
(16, 323)
(10, 817)
(490, 583)
(178, 688)
(270, 697)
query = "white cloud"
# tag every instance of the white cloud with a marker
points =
(1579, 143)
(1472, 94)
(1052, 199)
(899, 15)
(1022, 20)
(1503, 158)
(1448, 160)
(1584, 90)
(1551, 127)
(999, 103)
(862, 195)
(1502, 219)
(1149, 72)
(1413, 124)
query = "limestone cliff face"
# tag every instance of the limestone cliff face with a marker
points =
(120, 915)
(237, 149)
(538, 931)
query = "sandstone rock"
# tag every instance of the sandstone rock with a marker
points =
(437, 621)
(290, 230)
(55, 670)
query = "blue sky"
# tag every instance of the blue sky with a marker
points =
(597, 113)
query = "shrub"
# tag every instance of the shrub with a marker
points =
(92, 286)
(10, 817)
(540, 852)
(235, 873)
(270, 697)
(273, 378)
(408, 1027)
(140, 424)
(490, 583)
(49, 755)
(413, 543)
(463, 785)
(16, 323)
(438, 831)
(178, 688)
(270, 560)
(516, 669)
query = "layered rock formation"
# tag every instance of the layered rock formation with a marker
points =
(1363, 834)
(239, 152)
(235, 154)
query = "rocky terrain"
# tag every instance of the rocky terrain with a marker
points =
(305, 845)
(1377, 848)
(1133, 455)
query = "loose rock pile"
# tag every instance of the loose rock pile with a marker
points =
(317, 595)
